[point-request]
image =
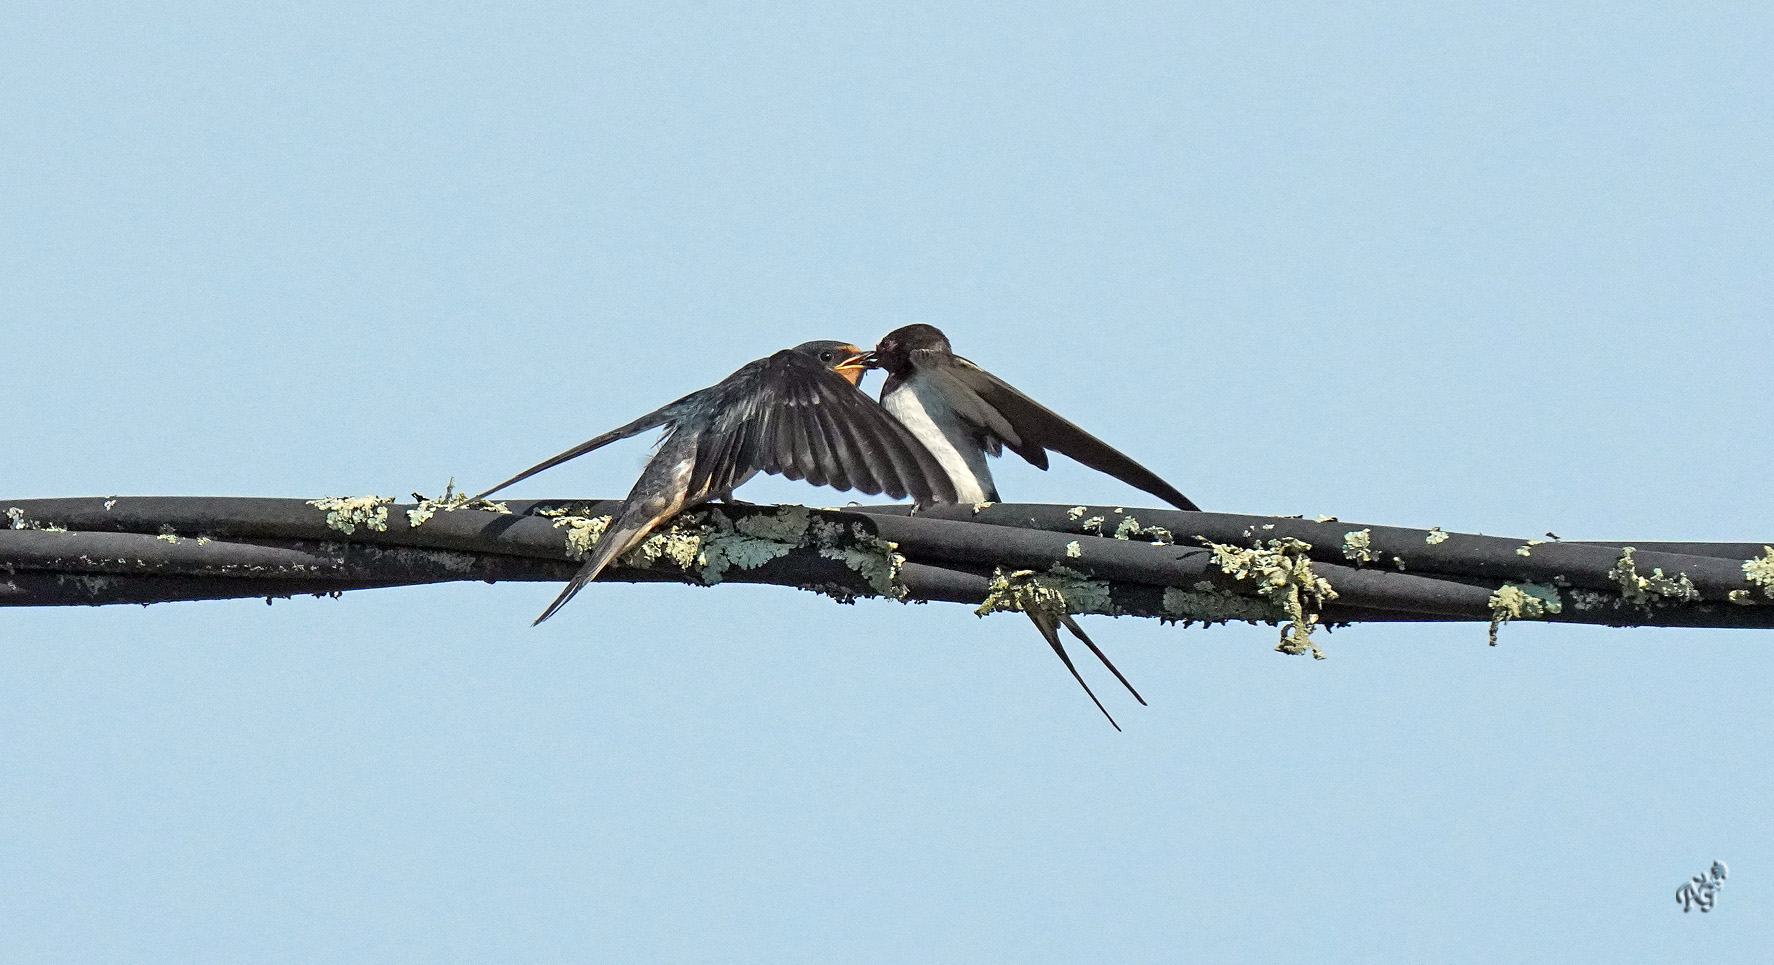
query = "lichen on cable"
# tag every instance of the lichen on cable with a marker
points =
(1359, 546)
(1130, 528)
(1283, 575)
(15, 519)
(876, 560)
(1435, 536)
(1646, 590)
(1760, 571)
(346, 514)
(1519, 601)
(450, 502)
(1206, 604)
(1059, 590)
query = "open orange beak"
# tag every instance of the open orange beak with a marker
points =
(853, 367)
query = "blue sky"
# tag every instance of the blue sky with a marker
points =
(1492, 267)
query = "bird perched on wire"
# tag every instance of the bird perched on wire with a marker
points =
(797, 413)
(962, 413)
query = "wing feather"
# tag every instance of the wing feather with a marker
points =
(1036, 428)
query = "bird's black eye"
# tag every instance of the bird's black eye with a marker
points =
(828, 356)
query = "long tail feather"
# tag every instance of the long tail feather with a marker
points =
(1050, 630)
(1078, 632)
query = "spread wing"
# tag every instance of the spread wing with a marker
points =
(794, 417)
(1029, 428)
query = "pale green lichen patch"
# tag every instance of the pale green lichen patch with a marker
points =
(15, 519)
(1073, 550)
(1057, 591)
(346, 514)
(582, 532)
(1130, 527)
(876, 560)
(450, 502)
(167, 534)
(1645, 590)
(1527, 549)
(1283, 576)
(1093, 525)
(1359, 546)
(1077, 512)
(1435, 536)
(1210, 604)
(982, 506)
(1760, 571)
(1518, 601)
(749, 542)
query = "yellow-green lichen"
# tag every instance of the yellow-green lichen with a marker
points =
(450, 502)
(1283, 576)
(1760, 571)
(1073, 550)
(1093, 525)
(1527, 549)
(583, 532)
(346, 514)
(1077, 512)
(1518, 601)
(1057, 591)
(1645, 590)
(1207, 603)
(1130, 527)
(1435, 536)
(982, 506)
(1358, 546)
(167, 534)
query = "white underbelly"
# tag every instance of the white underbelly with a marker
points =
(926, 414)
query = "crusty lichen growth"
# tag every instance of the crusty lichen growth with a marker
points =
(1077, 512)
(876, 560)
(708, 544)
(1207, 604)
(15, 519)
(1435, 536)
(1358, 546)
(982, 506)
(346, 514)
(167, 534)
(1518, 601)
(450, 502)
(1527, 549)
(1130, 527)
(583, 532)
(1283, 576)
(1073, 550)
(1760, 571)
(1655, 588)
(1057, 591)
(1093, 525)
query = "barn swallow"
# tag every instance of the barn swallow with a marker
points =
(797, 413)
(962, 413)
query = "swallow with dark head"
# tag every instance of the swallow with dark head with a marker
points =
(962, 413)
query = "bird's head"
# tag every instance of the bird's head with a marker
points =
(841, 357)
(894, 353)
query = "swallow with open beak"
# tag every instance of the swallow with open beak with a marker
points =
(797, 413)
(962, 413)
